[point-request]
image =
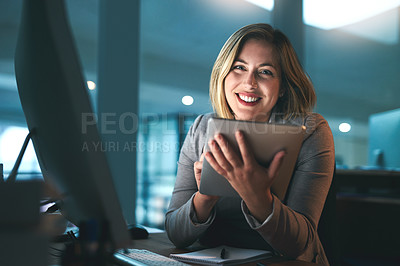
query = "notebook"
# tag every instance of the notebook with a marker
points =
(264, 140)
(232, 256)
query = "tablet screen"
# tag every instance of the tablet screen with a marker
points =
(265, 140)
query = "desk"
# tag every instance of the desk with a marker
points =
(159, 243)
(368, 182)
(367, 207)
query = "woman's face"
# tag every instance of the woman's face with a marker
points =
(252, 85)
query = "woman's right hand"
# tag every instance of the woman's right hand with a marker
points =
(203, 204)
(198, 166)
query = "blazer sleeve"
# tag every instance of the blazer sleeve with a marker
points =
(180, 220)
(292, 228)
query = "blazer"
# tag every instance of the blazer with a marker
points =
(290, 230)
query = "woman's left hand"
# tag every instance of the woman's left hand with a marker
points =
(251, 180)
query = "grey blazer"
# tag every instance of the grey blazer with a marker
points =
(291, 229)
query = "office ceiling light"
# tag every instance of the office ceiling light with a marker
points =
(91, 85)
(266, 4)
(344, 127)
(187, 100)
(330, 14)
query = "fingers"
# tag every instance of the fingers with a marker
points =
(224, 153)
(276, 164)
(224, 159)
(247, 155)
(217, 156)
(214, 164)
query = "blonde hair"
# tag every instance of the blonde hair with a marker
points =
(298, 95)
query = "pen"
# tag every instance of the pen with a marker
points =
(223, 253)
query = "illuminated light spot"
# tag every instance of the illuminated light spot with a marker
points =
(344, 127)
(91, 85)
(187, 100)
(266, 4)
(331, 14)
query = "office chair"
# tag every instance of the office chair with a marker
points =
(327, 227)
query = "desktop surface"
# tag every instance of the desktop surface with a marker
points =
(160, 244)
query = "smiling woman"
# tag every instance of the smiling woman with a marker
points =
(256, 77)
(252, 86)
(272, 50)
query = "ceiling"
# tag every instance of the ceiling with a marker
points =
(354, 73)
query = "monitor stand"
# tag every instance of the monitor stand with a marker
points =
(91, 247)
(13, 175)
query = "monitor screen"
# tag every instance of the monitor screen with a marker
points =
(384, 140)
(54, 99)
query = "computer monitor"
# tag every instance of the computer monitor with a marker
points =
(384, 140)
(54, 98)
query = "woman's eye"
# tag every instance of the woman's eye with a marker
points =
(266, 72)
(239, 67)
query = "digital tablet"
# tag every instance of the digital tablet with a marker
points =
(264, 140)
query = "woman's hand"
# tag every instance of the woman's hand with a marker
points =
(198, 166)
(203, 204)
(251, 180)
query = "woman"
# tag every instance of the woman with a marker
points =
(258, 77)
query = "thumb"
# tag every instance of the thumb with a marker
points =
(198, 166)
(202, 157)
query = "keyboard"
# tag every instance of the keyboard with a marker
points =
(142, 257)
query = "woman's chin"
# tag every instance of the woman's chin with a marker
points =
(252, 117)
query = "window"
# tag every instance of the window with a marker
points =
(159, 142)
(11, 139)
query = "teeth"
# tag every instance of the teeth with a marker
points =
(248, 99)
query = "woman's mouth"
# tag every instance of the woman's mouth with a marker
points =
(248, 99)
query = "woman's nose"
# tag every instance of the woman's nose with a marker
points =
(250, 80)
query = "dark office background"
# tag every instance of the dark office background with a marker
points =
(354, 65)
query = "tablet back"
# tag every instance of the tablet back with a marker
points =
(265, 140)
